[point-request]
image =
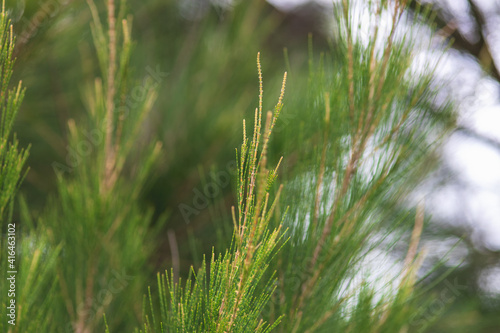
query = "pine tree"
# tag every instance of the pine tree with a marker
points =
(26, 268)
(229, 297)
(313, 203)
(96, 218)
(359, 152)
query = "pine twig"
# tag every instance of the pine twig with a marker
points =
(110, 158)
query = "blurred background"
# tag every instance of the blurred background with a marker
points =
(202, 55)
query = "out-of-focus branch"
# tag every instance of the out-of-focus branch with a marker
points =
(485, 56)
(477, 136)
(480, 49)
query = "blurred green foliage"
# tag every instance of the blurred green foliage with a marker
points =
(201, 56)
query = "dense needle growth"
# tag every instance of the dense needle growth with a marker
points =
(320, 187)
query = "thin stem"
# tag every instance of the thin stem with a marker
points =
(110, 96)
(350, 52)
(322, 164)
(415, 237)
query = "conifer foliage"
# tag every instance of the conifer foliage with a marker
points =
(12, 156)
(27, 272)
(96, 217)
(363, 143)
(231, 298)
(359, 148)
(303, 226)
